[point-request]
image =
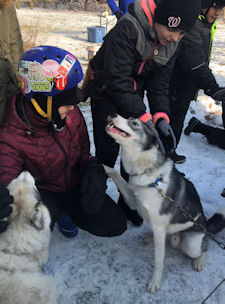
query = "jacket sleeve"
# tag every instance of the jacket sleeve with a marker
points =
(194, 62)
(112, 4)
(11, 162)
(158, 86)
(119, 58)
(84, 140)
(15, 38)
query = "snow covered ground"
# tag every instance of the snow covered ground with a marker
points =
(94, 270)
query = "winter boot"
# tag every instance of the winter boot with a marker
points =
(223, 193)
(192, 123)
(66, 226)
(178, 159)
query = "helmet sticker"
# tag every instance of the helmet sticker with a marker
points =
(33, 78)
(174, 21)
(50, 68)
(63, 71)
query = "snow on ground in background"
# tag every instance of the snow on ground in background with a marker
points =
(94, 270)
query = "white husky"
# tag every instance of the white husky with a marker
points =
(154, 184)
(24, 248)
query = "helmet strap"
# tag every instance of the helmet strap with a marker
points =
(47, 115)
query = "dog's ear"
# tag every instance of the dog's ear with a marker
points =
(14, 214)
(37, 219)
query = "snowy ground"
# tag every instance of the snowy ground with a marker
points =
(93, 270)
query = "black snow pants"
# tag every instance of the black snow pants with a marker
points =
(179, 106)
(215, 136)
(110, 221)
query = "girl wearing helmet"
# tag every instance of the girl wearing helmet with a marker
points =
(45, 133)
(192, 70)
(138, 54)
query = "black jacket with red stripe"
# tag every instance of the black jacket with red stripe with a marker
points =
(131, 61)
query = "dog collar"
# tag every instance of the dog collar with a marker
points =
(156, 183)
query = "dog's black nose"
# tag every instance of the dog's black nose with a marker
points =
(113, 115)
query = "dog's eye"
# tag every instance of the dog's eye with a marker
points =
(37, 206)
(134, 123)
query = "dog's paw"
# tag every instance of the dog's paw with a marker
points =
(147, 238)
(154, 284)
(198, 263)
(109, 171)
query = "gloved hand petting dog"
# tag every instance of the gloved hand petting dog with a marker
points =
(162, 131)
(5, 209)
(147, 119)
(93, 187)
(166, 134)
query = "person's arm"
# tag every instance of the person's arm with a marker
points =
(11, 161)
(6, 201)
(119, 59)
(15, 38)
(159, 104)
(194, 62)
(112, 4)
(158, 86)
(10, 168)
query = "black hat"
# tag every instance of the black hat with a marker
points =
(209, 3)
(177, 14)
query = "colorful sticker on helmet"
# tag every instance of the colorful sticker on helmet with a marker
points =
(50, 68)
(33, 77)
(63, 71)
(41, 86)
(66, 65)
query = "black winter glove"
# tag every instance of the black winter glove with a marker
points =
(166, 135)
(147, 119)
(118, 14)
(5, 209)
(219, 95)
(93, 187)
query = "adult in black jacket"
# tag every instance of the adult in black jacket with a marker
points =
(191, 71)
(138, 54)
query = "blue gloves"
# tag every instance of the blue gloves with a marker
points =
(5, 209)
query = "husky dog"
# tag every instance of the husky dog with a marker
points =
(24, 248)
(159, 192)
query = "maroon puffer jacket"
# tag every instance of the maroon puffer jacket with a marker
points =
(53, 158)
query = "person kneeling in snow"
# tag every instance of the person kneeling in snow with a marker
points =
(215, 136)
(45, 133)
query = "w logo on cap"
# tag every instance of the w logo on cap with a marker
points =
(174, 21)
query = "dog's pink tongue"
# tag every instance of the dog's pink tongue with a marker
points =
(115, 130)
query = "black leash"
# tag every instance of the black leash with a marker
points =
(193, 220)
(204, 301)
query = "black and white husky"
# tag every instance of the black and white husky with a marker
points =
(159, 192)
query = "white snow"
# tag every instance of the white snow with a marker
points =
(94, 270)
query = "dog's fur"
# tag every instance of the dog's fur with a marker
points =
(24, 248)
(145, 164)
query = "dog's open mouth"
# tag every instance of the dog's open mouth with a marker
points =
(112, 128)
